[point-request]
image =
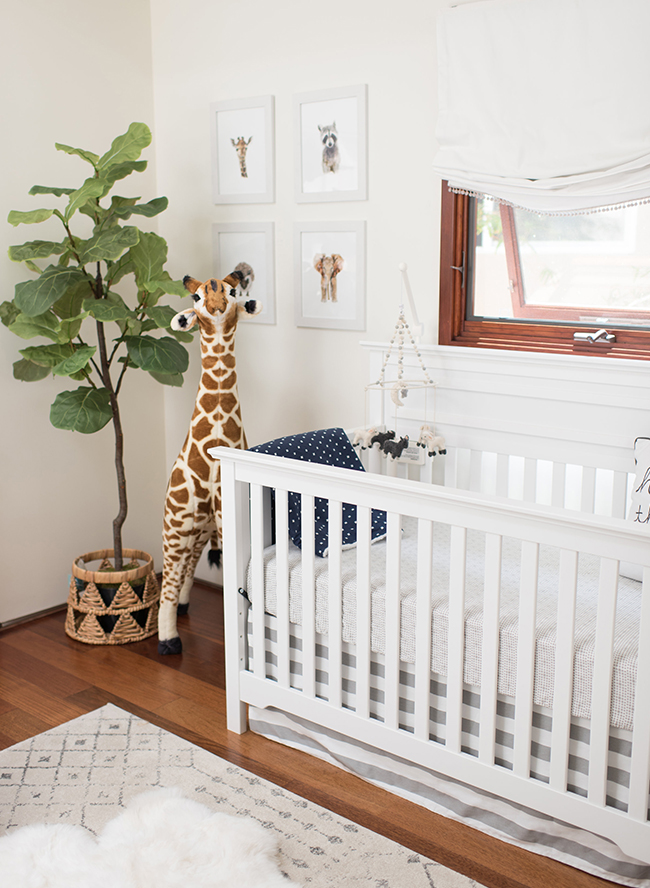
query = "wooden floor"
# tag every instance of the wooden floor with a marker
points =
(47, 678)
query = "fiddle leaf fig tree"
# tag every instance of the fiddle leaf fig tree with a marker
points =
(93, 332)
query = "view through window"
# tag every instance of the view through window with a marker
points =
(591, 269)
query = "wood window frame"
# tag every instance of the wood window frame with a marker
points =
(530, 333)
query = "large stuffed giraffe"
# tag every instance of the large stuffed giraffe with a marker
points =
(193, 500)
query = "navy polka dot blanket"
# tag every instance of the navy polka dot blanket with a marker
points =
(328, 447)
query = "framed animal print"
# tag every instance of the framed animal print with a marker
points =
(331, 145)
(243, 163)
(248, 247)
(330, 269)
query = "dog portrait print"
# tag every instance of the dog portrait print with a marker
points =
(331, 155)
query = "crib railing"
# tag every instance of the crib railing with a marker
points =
(596, 491)
(246, 478)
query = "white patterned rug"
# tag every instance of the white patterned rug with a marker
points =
(85, 772)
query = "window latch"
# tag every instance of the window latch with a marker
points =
(460, 268)
(598, 336)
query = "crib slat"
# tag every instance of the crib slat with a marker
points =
(456, 637)
(588, 495)
(640, 761)
(257, 575)
(503, 474)
(602, 681)
(450, 469)
(563, 680)
(490, 648)
(558, 484)
(423, 629)
(619, 495)
(334, 602)
(475, 470)
(363, 613)
(308, 597)
(393, 573)
(282, 585)
(530, 480)
(526, 657)
(463, 468)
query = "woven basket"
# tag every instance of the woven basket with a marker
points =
(112, 607)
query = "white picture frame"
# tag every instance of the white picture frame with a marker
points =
(243, 150)
(340, 172)
(316, 304)
(252, 243)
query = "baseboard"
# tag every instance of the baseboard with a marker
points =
(29, 617)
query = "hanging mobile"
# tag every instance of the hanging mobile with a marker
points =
(391, 443)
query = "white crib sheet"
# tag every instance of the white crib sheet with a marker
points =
(627, 619)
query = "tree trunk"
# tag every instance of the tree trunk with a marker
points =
(119, 437)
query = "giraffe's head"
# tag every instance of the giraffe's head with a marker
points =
(217, 305)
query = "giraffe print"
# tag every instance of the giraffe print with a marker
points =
(192, 514)
(241, 147)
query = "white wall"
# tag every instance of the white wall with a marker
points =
(294, 379)
(77, 72)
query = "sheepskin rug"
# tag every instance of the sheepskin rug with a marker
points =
(161, 840)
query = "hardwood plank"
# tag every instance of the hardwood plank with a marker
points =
(18, 725)
(33, 700)
(53, 680)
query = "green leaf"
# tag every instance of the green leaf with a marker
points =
(183, 336)
(46, 355)
(105, 310)
(35, 297)
(126, 147)
(88, 156)
(164, 355)
(32, 266)
(28, 371)
(175, 379)
(124, 265)
(161, 315)
(75, 362)
(45, 189)
(122, 170)
(167, 285)
(108, 244)
(70, 328)
(37, 249)
(69, 305)
(8, 313)
(155, 206)
(133, 326)
(27, 327)
(149, 256)
(92, 189)
(84, 410)
(16, 217)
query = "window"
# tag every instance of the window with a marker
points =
(515, 280)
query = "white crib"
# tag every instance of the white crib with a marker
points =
(440, 646)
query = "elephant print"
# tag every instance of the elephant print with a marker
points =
(328, 267)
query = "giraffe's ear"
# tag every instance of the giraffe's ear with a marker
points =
(191, 284)
(184, 320)
(234, 278)
(250, 308)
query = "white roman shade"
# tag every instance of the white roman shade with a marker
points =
(545, 104)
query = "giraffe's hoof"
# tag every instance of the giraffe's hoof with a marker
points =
(170, 646)
(182, 609)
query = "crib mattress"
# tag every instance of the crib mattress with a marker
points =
(627, 617)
